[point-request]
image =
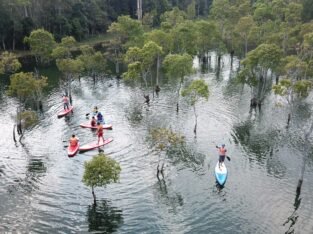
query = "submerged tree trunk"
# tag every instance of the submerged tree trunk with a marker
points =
(196, 119)
(94, 196)
(178, 94)
(307, 155)
(246, 46)
(14, 133)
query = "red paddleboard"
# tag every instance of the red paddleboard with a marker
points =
(88, 125)
(72, 150)
(65, 112)
(94, 144)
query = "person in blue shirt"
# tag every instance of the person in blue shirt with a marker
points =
(100, 118)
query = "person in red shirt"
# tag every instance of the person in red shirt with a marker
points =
(222, 153)
(93, 122)
(74, 140)
(66, 102)
(100, 132)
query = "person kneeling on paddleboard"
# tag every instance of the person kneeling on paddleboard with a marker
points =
(93, 122)
(100, 118)
(222, 153)
(95, 111)
(100, 132)
(66, 102)
(74, 140)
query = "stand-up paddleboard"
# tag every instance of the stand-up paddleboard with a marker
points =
(65, 112)
(220, 173)
(72, 150)
(94, 145)
(88, 125)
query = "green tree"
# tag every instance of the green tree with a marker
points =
(9, 63)
(289, 89)
(207, 36)
(308, 53)
(172, 18)
(93, 62)
(100, 171)
(194, 92)
(41, 43)
(191, 10)
(65, 62)
(164, 140)
(140, 61)
(161, 38)
(71, 68)
(178, 66)
(257, 64)
(127, 31)
(184, 37)
(243, 28)
(27, 87)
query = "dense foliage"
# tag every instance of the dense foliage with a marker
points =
(79, 18)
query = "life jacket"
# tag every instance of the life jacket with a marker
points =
(93, 122)
(73, 141)
(222, 151)
(99, 117)
(100, 129)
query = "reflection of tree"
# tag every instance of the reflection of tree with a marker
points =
(254, 141)
(170, 199)
(103, 217)
(187, 157)
(292, 219)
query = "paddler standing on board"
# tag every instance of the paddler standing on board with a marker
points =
(74, 140)
(100, 132)
(222, 153)
(66, 102)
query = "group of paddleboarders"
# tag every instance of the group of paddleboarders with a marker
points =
(94, 122)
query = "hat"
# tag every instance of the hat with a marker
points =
(223, 145)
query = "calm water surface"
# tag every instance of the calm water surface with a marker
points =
(41, 189)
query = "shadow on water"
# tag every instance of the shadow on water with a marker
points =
(104, 218)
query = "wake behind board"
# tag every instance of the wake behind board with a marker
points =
(88, 125)
(72, 150)
(65, 112)
(220, 173)
(94, 145)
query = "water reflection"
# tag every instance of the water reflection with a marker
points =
(103, 217)
(171, 199)
(253, 140)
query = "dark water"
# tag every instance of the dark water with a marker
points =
(41, 189)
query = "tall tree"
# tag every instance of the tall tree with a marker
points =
(178, 66)
(194, 92)
(100, 171)
(9, 63)
(41, 43)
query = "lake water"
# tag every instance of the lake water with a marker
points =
(41, 189)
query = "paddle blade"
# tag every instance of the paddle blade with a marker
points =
(87, 114)
(228, 158)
